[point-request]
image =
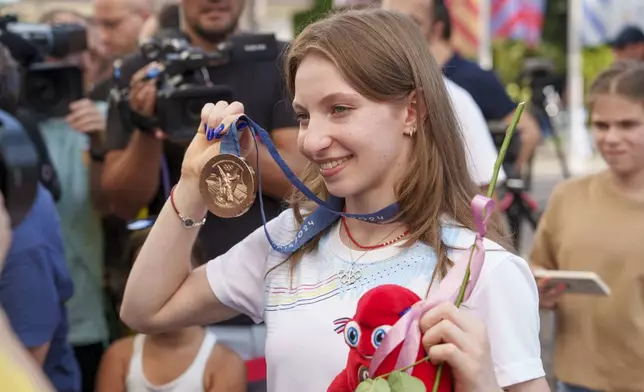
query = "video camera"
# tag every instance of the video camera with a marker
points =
(18, 168)
(47, 88)
(540, 75)
(184, 85)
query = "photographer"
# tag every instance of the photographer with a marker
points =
(133, 175)
(134, 158)
(74, 142)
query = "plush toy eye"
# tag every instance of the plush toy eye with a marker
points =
(352, 333)
(378, 335)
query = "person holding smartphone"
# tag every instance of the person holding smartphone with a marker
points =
(595, 224)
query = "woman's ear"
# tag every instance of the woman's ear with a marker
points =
(416, 110)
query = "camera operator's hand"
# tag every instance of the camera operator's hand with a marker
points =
(215, 120)
(5, 231)
(143, 90)
(85, 117)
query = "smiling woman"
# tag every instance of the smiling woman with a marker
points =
(379, 133)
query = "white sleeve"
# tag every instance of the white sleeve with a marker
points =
(480, 149)
(507, 301)
(237, 277)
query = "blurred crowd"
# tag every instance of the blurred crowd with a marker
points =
(66, 267)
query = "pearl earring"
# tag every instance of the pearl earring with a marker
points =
(411, 132)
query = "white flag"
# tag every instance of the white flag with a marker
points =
(603, 19)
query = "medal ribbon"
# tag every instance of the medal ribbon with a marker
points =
(322, 217)
(406, 331)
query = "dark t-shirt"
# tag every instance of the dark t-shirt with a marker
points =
(484, 86)
(260, 87)
(490, 95)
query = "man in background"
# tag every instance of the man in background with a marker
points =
(74, 143)
(119, 23)
(143, 161)
(485, 87)
(628, 44)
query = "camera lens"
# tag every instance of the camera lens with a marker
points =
(44, 89)
(193, 109)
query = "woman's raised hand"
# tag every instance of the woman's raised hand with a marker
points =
(456, 337)
(215, 122)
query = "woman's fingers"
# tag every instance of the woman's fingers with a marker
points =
(459, 339)
(221, 110)
(447, 352)
(446, 331)
(445, 311)
(212, 114)
(212, 109)
(219, 117)
(445, 324)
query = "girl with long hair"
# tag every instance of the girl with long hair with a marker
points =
(377, 128)
(595, 223)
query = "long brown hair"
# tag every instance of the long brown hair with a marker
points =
(384, 57)
(625, 78)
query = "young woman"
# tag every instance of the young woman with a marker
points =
(595, 223)
(189, 359)
(377, 128)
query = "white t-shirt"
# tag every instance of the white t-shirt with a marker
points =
(304, 352)
(480, 148)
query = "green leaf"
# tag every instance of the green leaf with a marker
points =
(403, 382)
(371, 385)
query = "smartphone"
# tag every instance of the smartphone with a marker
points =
(574, 282)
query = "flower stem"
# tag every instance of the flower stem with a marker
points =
(504, 148)
(404, 368)
(490, 192)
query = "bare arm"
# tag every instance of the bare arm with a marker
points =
(20, 358)
(131, 176)
(40, 353)
(226, 372)
(274, 182)
(530, 138)
(99, 197)
(112, 371)
(538, 385)
(162, 293)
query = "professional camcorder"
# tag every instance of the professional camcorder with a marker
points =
(183, 83)
(48, 87)
(18, 168)
(539, 74)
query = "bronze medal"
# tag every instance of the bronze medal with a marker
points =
(228, 186)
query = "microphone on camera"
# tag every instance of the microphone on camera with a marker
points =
(22, 51)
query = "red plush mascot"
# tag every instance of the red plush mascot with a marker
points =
(379, 309)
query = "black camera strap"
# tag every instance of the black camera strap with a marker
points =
(143, 123)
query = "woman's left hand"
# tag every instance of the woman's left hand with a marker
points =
(453, 336)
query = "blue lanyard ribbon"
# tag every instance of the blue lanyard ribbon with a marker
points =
(322, 217)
